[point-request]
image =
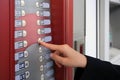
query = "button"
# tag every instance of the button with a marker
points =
(41, 68)
(44, 22)
(19, 13)
(26, 64)
(19, 3)
(41, 58)
(45, 5)
(25, 53)
(23, 76)
(43, 13)
(20, 44)
(39, 39)
(40, 49)
(21, 65)
(22, 3)
(40, 31)
(20, 33)
(20, 23)
(25, 43)
(20, 55)
(27, 73)
(42, 77)
(37, 4)
(44, 31)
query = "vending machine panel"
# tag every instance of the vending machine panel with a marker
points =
(24, 24)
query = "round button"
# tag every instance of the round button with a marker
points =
(25, 54)
(41, 58)
(42, 77)
(26, 64)
(41, 68)
(27, 73)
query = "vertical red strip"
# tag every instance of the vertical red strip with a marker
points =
(4, 40)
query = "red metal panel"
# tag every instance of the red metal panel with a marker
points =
(4, 40)
(62, 27)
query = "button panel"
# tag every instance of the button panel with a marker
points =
(32, 23)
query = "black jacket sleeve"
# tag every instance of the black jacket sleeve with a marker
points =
(98, 70)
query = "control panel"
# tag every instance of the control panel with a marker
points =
(32, 23)
(25, 22)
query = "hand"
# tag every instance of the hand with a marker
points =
(65, 55)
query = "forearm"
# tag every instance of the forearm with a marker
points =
(98, 70)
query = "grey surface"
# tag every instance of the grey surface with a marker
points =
(34, 63)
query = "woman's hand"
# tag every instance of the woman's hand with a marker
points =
(65, 55)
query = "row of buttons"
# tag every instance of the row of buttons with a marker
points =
(27, 74)
(23, 76)
(21, 3)
(22, 23)
(23, 33)
(19, 13)
(23, 44)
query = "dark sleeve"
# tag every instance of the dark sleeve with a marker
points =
(98, 70)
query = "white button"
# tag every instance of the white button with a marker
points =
(20, 23)
(43, 13)
(44, 22)
(25, 43)
(21, 33)
(38, 22)
(38, 13)
(37, 4)
(23, 23)
(41, 68)
(27, 73)
(40, 49)
(22, 3)
(25, 54)
(19, 13)
(42, 77)
(41, 58)
(45, 5)
(20, 44)
(26, 64)
(39, 39)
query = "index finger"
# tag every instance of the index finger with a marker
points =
(50, 46)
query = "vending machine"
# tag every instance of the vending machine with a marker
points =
(22, 24)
